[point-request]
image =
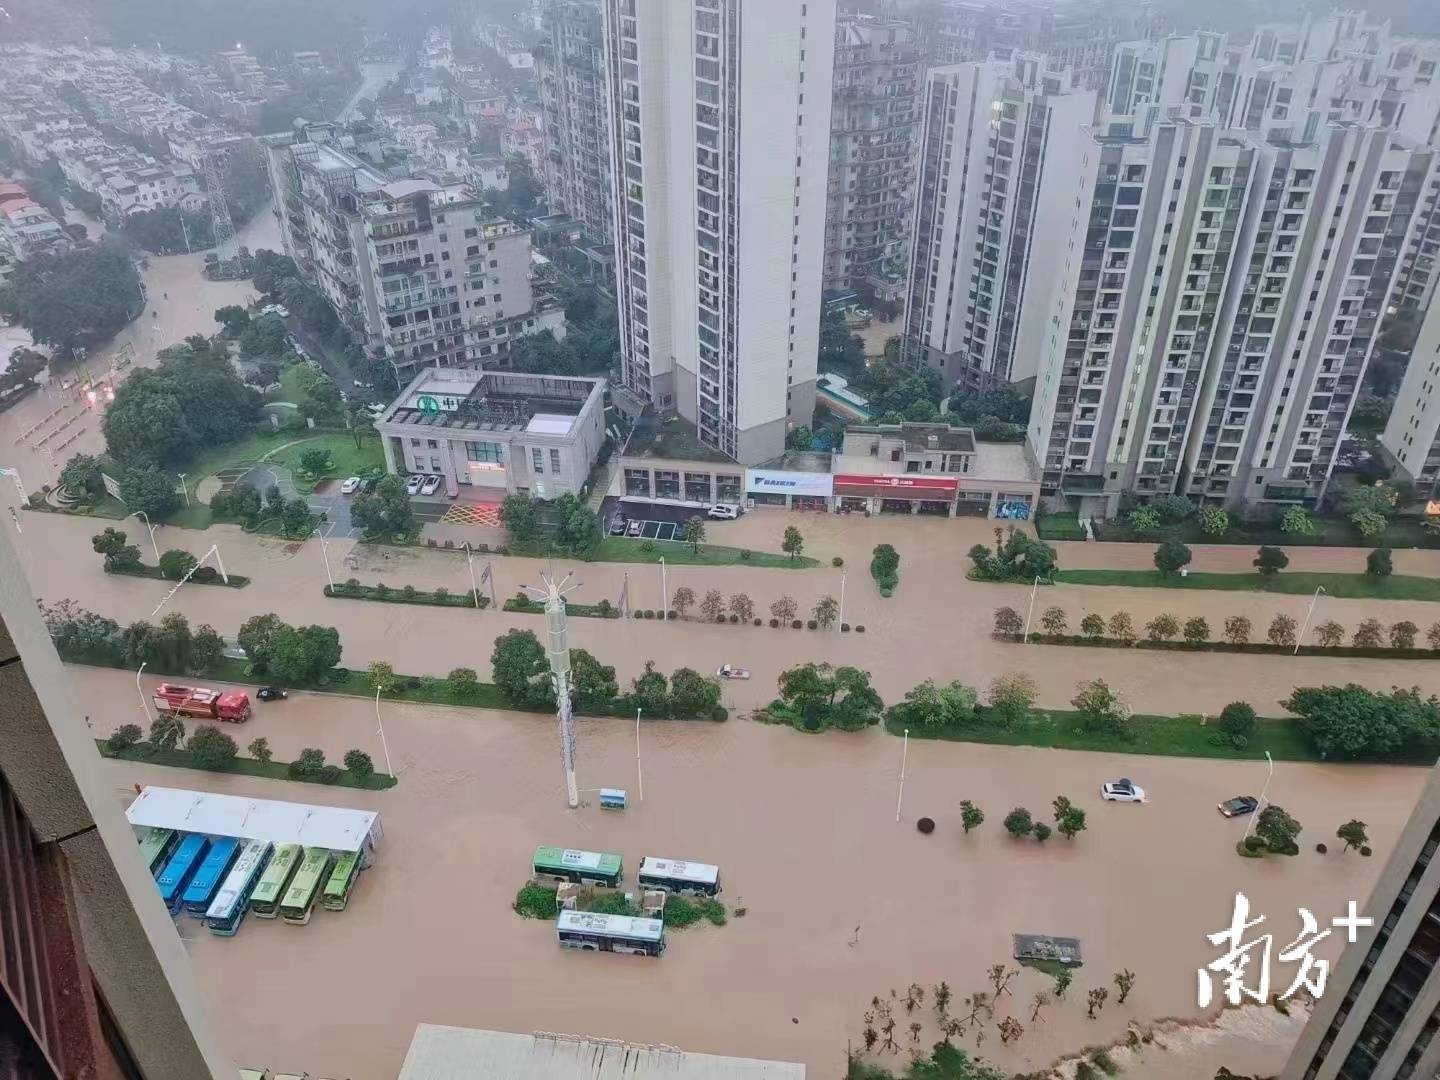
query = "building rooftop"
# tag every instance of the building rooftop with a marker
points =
(671, 439)
(813, 461)
(469, 399)
(921, 437)
(451, 1053)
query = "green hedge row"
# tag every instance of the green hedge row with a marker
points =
(353, 590)
(1257, 647)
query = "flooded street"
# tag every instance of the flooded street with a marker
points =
(803, 828)
(180, 301)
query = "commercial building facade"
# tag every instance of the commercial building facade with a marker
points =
(1381, 1009)
(1411, 439)
(721, 133)
(493, 433)
(874, 123)
(1003, 142)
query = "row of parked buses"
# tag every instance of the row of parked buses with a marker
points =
(220, 879)
(618, 933)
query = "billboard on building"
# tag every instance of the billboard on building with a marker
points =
(908, 486)
(776, 482)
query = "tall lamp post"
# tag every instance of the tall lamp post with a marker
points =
(145, 519)
(1309, 614)
(144, 705)
(325, 554)
(1030, 610)
(380, 730)
(639, 776)
(1263, 792)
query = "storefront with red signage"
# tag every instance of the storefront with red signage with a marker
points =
(896, 494)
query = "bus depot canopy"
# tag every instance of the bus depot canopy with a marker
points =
(332, 827)
(451, 1053)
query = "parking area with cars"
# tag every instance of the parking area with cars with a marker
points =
(658, 521)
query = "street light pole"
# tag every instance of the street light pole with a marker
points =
(904, 757)
(144, 705)
(380, 728)
(664, 587)
(639, 776)
(1030, 610)
(1310, 614)
(184, 489)
(1263, 792)
(842, 597)
(144, 517)
(470, 565)
(325, 554)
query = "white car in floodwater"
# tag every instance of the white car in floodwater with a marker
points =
(1122, 790)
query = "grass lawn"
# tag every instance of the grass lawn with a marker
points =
(628, 550)
(1344, 586)
(345, 459)
(1167, 736)
(249, 449)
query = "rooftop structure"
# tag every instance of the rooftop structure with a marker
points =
(331, 827)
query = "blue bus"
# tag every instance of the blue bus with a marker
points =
(179, 870)
(227, 911)
(207, 880)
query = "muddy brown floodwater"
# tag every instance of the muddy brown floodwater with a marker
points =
(804, 830)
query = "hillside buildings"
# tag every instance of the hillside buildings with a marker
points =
(418, 271)
(26, 228)
(721, 130)
(570, 71)
(874, 124)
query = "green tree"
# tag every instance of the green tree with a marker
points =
(1145, 519)
(359, 764)
(799, 438)
(207, 648)
(1124, 982)
(1041, 831)
(463, 683)
(1018, 822)
(792, 543)
(233, 319)
(692, 694)
(1011, 697)
(1353, 832)
(1370, 634)
(73, 299)
(1329, 634)
(259, 749)
(650, 691)
(1162, 627)
(1092, 625)
(1214, 521)
(712, 606)
(929, 705)
(519, 668)
(1101, 709)
(166, 732)
(305, 654)
(1282, 631)
(381, 677)
(123, 737)
(1008, 621)
(807, 688)
(308, 765)
(1402, 634)
(1171, 556)
(1270, 561)
(683, 600)
(885, 566)
(1053, 620)
(1355, 722)
(386, 512)
(742, 607)
(81, 477)
(1237, 718)
(1297, 522)
(1237, 629)
(517, 514)
(1378, 564)
(1196, 630)
(1368, 523)
(315, 461)
(175, 564)
(1069, 818)
(211, 748)
(148, 489)
(825, 612)
(1121, 626)
(168, 646)
(693, 532)
(592, 683)
(1278, 829)
(119, 553)
(295, 519)
(971, 816)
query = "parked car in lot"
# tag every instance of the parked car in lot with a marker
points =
(723, 512)
(431, 484)
(1122, 790)
(350, 486)
(633, 529)
(1239, 806)
(617, 525)
(412, 485)
(271, 693)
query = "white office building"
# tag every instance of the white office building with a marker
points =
(720, 132)
(1411, 439)
(1003, 144)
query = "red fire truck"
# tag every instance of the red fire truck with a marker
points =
(232, 706)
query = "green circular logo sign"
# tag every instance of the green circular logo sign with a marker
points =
(428, 403)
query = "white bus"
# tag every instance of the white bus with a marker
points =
(610, 933)
(227, 910)
(678, 876)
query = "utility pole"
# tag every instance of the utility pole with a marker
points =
(557, 651)
(1310, 614)
(1030, 610)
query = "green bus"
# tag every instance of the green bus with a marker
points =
(265, 900)
(299, 899)
(341, 881)
(583, 867)
(156, 845)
